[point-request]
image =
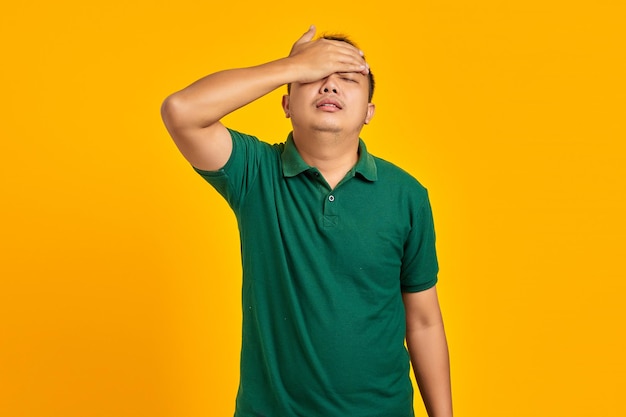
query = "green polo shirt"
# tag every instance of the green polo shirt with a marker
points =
(323, 271)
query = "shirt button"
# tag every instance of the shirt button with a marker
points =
(331, 198)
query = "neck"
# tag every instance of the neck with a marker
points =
(331, 153)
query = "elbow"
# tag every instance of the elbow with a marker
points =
(172, 110)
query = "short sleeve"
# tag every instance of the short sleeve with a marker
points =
(419, 262)
(240, 171)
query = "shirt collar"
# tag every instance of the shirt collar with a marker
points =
(293, 164)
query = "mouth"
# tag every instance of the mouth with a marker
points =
(328, 104)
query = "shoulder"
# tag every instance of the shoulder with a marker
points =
(396, 178)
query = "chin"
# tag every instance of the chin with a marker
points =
(328, 129)
(327, 126)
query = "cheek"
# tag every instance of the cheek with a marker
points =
(295, 106)
(296, 101)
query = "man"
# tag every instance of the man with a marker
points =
(338, 246)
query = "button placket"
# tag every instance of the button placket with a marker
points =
(331, 203)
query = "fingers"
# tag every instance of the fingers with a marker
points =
(365, 70)
(349, 58)
(317, 59)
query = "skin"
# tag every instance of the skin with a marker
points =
(327, 117)
(328, 106)
(192, 115)
(428, 349)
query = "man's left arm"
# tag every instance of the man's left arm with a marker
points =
(428, 348)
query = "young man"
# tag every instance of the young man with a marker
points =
(338, 246)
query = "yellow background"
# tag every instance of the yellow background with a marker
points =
(120, 277)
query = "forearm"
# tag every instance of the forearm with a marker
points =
(429, 355)
(192, 116)
(209, 99)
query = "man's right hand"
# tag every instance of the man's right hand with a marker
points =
(317, 59)
(192, 115)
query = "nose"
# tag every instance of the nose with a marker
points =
(329, 86)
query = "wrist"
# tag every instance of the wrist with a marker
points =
(289, 70)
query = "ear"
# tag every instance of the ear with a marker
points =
(286, 106)
(371, 107)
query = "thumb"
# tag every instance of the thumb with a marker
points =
(307, 36)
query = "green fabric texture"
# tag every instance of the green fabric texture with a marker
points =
(323, 271)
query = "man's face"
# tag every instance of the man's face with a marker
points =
(338, 103)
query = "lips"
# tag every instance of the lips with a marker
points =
(328, 104)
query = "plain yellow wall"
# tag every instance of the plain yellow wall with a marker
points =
(119, 266)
